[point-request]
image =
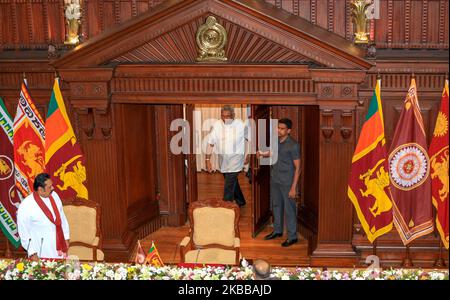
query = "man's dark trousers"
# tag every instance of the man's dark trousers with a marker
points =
(232, 190)
(281, 205)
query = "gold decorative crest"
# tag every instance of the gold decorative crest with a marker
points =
(211, 40)
(5, 167)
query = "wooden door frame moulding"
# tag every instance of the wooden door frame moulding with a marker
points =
(201, 83)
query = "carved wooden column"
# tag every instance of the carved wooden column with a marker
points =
(171, 167)
(90, 97)
(337, 99)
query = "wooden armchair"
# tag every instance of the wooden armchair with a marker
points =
(85, 231)
(214, 233)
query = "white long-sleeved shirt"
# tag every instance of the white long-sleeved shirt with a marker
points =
(229, 143)
(37, 233)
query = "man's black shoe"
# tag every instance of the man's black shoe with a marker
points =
(272, 236)
(287, 243)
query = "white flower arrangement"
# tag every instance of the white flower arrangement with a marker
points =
(22, 269)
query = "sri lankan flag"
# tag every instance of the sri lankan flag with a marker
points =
(153, 257)
(63, 157)
(439, 168)
(368, 185)
(28, 138)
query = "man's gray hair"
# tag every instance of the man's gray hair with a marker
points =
(228, 108)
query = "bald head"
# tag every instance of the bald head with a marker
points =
(261, 269)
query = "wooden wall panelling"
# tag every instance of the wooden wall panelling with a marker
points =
(432, 25)
(304, 11)
(338, 13)
(108, 18)
(308, 208)
(402, 23)
(416, 19)
(55, 26)
(138, 163)
(398, 23)
(412, 24)
(321, 10)
(103, 157)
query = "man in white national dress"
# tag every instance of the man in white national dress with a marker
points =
(42, 224)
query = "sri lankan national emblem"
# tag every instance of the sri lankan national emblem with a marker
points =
(409, 166)
(211, 39)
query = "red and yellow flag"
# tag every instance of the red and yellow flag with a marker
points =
(439, 168)
(29, 138)
(368, 185)
(409, 169)
(63, 157)
(153, 257)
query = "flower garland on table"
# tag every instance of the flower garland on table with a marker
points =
(22, 269)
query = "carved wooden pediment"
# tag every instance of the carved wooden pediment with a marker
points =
(257, 33)
(243, 46)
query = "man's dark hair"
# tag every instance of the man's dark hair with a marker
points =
(286, 122)
(40, 180)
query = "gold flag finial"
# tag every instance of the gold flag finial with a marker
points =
(358, 10)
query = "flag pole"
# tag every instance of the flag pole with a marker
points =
(8, 253)
(374, 244)
(440, 261)
(24, 78)
(407, 263)
(374, 247)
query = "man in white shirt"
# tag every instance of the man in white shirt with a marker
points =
(227, 139)
(42, 224)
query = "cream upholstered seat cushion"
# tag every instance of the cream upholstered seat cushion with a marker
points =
(211, 256)
(82, 224)
(85, 253)
(214, 225)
